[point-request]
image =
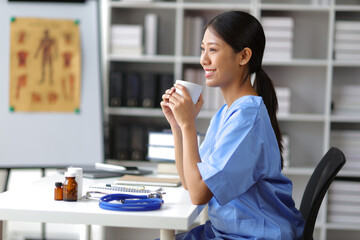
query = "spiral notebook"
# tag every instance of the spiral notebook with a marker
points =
(111, 189)
(148, 181)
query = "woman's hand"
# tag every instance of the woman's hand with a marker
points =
(166, 109)
(183, 108)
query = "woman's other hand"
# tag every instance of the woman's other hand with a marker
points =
(183, 108)
(166, 109)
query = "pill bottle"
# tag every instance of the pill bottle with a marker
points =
(70, 187)
(78, 179)
(58, 191)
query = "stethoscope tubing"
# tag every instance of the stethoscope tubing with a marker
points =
(130, 202)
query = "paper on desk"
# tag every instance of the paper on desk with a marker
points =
(148, 181)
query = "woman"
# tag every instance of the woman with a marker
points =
(237, 169)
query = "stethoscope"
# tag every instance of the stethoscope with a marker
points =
(128, 202)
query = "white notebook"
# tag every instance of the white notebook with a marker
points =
(148, 181)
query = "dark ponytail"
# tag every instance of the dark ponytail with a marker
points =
(265, 88)
(240, 30)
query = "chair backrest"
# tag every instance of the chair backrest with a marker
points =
(318, 184)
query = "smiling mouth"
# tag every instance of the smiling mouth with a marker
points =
(209, 71)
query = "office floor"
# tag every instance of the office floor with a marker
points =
(27, 231)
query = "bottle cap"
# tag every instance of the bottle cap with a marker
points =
(70, 174)
(58, 184)
(77, 170)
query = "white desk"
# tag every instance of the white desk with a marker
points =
(35, 203)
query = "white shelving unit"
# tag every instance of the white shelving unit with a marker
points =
(311, 74)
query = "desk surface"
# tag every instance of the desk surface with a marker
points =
(35, 202)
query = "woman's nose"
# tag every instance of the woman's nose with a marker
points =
(204, 59)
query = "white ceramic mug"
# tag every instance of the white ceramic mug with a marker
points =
(193, 89)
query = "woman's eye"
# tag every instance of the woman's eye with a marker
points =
(209, 50)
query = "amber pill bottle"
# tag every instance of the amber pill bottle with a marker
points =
(70, 187)
(58, 191)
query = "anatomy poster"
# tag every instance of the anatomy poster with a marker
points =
(45, 65)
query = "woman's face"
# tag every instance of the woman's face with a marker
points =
(221, 64)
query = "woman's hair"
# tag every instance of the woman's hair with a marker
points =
(240, 30)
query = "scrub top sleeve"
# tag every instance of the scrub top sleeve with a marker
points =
(233, 166)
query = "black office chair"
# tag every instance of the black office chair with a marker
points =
(318, 184)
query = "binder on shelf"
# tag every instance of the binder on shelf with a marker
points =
(148, 90)
(198, 24)
(116, 89)
(121, 141)
(151, 31)
(137, 144)
(190, 74)
(132, 89)
(187, 36)
(148, 181)
(192, 37)
(166, 81)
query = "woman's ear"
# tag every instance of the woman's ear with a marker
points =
(245, 56)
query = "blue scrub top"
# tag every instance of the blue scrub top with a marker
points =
(241, 165)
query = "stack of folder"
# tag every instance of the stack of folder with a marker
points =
(126, 39)
(346, 98)
(283, 95)
(347, 40)
(279, 33)
(344, 202)
(349, 142)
